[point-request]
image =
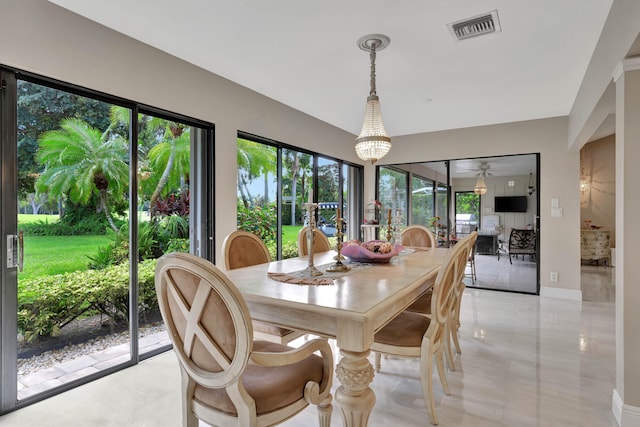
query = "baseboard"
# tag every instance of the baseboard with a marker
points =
(625, 415)
(562, 293)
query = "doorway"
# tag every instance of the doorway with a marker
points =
(504, 176)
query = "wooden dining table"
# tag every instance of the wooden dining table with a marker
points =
(351, 309)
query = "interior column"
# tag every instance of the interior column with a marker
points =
(626, 396)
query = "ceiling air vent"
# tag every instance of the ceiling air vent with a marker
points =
(476, 26)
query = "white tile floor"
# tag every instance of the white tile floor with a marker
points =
(526, 361)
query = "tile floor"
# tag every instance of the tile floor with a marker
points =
(500, 274)
(526, 361)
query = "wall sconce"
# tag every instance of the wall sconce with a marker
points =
(584, 185)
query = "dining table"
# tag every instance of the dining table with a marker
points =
(349, 306)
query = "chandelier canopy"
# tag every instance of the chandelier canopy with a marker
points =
(373, 143)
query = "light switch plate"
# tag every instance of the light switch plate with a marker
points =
(556, 212)
(555, 203)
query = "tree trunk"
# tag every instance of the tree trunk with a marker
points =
(163, 182)
(107, 213)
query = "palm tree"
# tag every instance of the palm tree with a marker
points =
(172, 157)
(163, 150)
(254, 159)
(80, 161)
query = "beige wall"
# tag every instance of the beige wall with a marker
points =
(598, 171)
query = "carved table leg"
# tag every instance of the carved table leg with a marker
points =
(354, 396)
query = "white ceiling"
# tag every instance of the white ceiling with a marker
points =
(304, 54)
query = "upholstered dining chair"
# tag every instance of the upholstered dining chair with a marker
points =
(471, 263)
(419, 236)
(418, 335)
(228, 379)
(423, 303)
(243, 249)
(320, 242)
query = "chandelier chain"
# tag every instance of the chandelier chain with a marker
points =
(372, 58)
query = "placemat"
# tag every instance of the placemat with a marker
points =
(327, 278)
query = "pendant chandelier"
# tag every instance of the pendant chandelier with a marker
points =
(481, 186)
(373, 143)
(531, 189)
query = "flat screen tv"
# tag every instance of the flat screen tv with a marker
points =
(510, 204)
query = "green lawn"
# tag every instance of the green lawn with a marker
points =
(29, 218)
(46, 255)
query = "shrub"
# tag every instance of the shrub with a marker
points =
(48, 303)
(289, 250)
(258, 220)
(178, 245)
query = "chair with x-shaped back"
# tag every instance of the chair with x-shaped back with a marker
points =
(228, 379)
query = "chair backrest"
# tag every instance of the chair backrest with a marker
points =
(448, 279)
(522, 239)
(207, 318)
(472, 244)
(242, 249)
(418, 235)
(320, 242)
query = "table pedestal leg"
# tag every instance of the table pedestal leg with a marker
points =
(354, 396)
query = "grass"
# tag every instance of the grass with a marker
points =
(29, 218)
(48, 255)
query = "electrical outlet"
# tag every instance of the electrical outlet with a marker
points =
(554, 276)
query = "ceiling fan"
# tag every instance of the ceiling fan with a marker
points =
(483, 169)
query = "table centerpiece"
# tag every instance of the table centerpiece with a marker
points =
(373, 251)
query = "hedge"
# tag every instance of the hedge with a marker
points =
(48, 303)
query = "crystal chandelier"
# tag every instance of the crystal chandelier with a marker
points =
(481, 186)
(373, 143)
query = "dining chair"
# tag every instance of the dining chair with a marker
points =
(454, 320)
(320, 242)
(243, 249)
(227, 377)
(471, 262)
(419, 236)
(415, 334)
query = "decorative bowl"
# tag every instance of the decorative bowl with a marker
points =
(361, 252)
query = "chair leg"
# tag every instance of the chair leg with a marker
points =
(473, 271)
(442, 372)
(324, 412)
(426, 379)
(448, 331)
(378, 359)
(454, 335)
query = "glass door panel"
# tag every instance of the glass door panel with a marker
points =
(72, 294)
(258, 191)
(296, 179)
(422, 202)
(329, 197)
(162, 217)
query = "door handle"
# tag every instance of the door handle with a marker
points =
(21, 250)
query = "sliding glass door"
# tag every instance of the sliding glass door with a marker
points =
(94, 190)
